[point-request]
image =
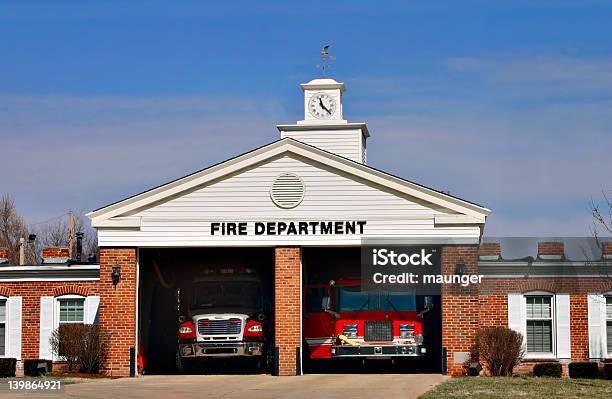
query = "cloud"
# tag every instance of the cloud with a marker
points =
(574, 72)
(536, 165)
(82, 152)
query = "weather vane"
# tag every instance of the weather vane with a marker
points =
(325, 60)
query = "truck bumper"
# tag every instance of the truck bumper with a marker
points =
(210, 349)
(379, 351)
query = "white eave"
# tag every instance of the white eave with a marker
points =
(325, 126)
(50, 273)
(323, 84)
(473, 214)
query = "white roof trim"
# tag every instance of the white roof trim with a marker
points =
(121, 222)
(287, 145)
(50, 273)
(456, 219)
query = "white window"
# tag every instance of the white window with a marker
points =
(64, 309)
(2, 327)
(71, 310)
(540, 337)
(543, 319)
(609, 323)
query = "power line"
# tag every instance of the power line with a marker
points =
(48, 220)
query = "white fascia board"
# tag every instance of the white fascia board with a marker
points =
(288, 145)
(325, 125)
(392, 182)
(44, 268)
(50, 273)
(194, 180)
(289, 241)
(118, 222)
(457, 219)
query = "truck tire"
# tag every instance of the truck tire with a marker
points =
(183, 365)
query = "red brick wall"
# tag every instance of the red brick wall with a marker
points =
(493, 310)
(31, 291)
(490, 248)
(55, 252)
(579, 327)
(118, 307)
(460, 306)
(494, 307)
(550, 248)
(287, 307)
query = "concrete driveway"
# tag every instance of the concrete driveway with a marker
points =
(343, 386)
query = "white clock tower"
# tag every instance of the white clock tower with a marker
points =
(324, 126)
(322, 102)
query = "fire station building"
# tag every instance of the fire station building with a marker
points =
(305, 200)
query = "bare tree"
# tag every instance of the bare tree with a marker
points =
(57, 234)
(12, 229)
(602, 216)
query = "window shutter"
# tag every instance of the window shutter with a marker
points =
(563, 326)
(596, 325)
(46, 326)
(517, 314)
(91, 304)
(14, 326)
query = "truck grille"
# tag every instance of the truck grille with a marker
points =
(378, 331)
(219, 327)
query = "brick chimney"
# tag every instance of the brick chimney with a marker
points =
(489, 251)
(551, 250)
(55, 254)
(4, 255)
(606, 250)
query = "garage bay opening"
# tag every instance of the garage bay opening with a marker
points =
(206, 310)
(354, 330)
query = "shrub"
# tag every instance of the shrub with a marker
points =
(94, 348)
(607, 371)
(583, 370)
(547, 370)
(66, 342)
(7, 367)
(500, 348)
(82, 345)
(31, 367)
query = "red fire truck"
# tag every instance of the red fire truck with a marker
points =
(344, 321)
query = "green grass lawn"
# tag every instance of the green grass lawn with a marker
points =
(520, 387)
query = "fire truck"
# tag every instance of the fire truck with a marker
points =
(224, 316)
(344, 321)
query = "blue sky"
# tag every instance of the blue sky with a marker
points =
(507, 106)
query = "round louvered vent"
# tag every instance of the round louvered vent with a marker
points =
(287, 190)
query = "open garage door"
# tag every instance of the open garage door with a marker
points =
(346, 329)
(206, 310)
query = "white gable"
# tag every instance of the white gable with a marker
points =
(184, 219)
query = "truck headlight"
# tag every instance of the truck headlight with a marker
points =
(419, 339)
(185, 330)
(406, 330)
(255, 328)
(350, 330)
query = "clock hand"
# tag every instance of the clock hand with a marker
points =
(323, 105)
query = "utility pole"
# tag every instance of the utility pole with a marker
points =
(21, 251)
(71, 235)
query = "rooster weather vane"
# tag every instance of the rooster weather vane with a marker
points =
(325, 60)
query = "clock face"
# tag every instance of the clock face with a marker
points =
(322, 105)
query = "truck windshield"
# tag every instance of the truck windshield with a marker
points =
(398, 301)
(227, 295)
(351, 298)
